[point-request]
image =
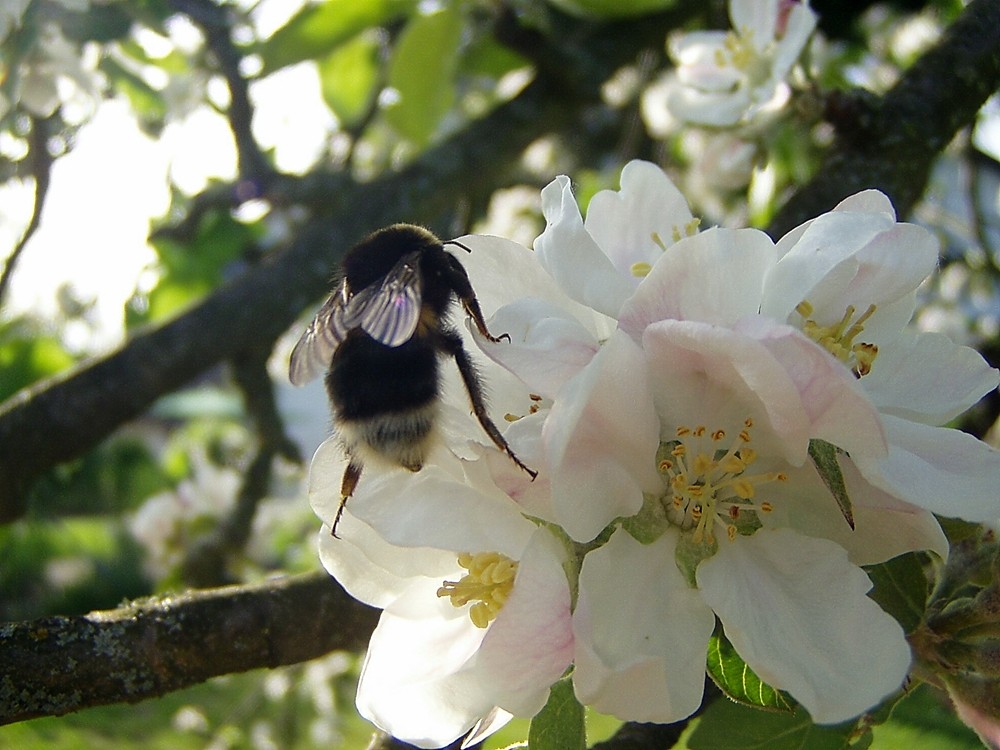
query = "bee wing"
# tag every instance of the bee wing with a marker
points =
(314, 351)
(389, 312)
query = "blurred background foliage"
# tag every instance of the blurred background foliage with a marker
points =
(224, 97)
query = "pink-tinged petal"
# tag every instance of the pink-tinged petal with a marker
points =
(886, 270)
(884, 526)
(573, 258)
(716, 276)
(547, 346)
(926, 377)
(707, 375)
(837, 407)
(634, 224)
(795, 609)
(530, 644)
(601, 438)
(755, 19)
(414, 683)
(533, 496)
(823, 252)
(945, 471)
(641, 632)
(799, 26)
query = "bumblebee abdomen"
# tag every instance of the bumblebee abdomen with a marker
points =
(367, 378)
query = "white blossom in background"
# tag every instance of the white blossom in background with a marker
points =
(167, 523)
(729, 78)
(53, 73)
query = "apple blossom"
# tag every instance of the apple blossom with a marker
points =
(724, 78)
(476, 606)
(708, 345)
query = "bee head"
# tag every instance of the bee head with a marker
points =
(374, 257)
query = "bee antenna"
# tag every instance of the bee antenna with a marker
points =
(456, 242)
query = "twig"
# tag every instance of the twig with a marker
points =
(41, 166)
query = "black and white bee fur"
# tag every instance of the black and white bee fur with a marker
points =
(379, 337)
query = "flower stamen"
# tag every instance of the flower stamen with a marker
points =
(487, 585)
(709, 483)
(838, 339)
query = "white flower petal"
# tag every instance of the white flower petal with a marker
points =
(755, 19)
(502, 271)
(884, 526)
(925, 377)
(870, 201)
(547, 346)
(714, 109)
(796, 611)
(641, 632)
(449, 504)
(712, 376)
(413, 684)
(530, 644)
(601, 438)
(573, 258)
(837, 407)
(716, 276)
(372, 570)
(634, 224)
(799, 25)
(823, 252)
(945, 471)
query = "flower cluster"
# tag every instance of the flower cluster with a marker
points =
(727, 77)
(672, 386)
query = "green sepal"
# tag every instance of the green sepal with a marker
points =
(560, 724)
(900, 586)
(824, 458)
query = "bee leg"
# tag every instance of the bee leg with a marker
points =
(458, 279)
(451, 343)
(351, 476)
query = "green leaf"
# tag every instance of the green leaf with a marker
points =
(26, 357)
(485, 56)
(349, 78)
(731, 726)
(319, 29)
(900, 587)
(737, 680)
(824, 458)
(560, 723)
(612, 8)
(422, 72)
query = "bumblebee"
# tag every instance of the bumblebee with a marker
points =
(379, 337)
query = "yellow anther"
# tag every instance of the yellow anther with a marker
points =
(719, 435)
(487, 585)
(658, 241)
(640, 269)
(838, 339)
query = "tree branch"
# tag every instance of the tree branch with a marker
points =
(57, 665)
(893, 149)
